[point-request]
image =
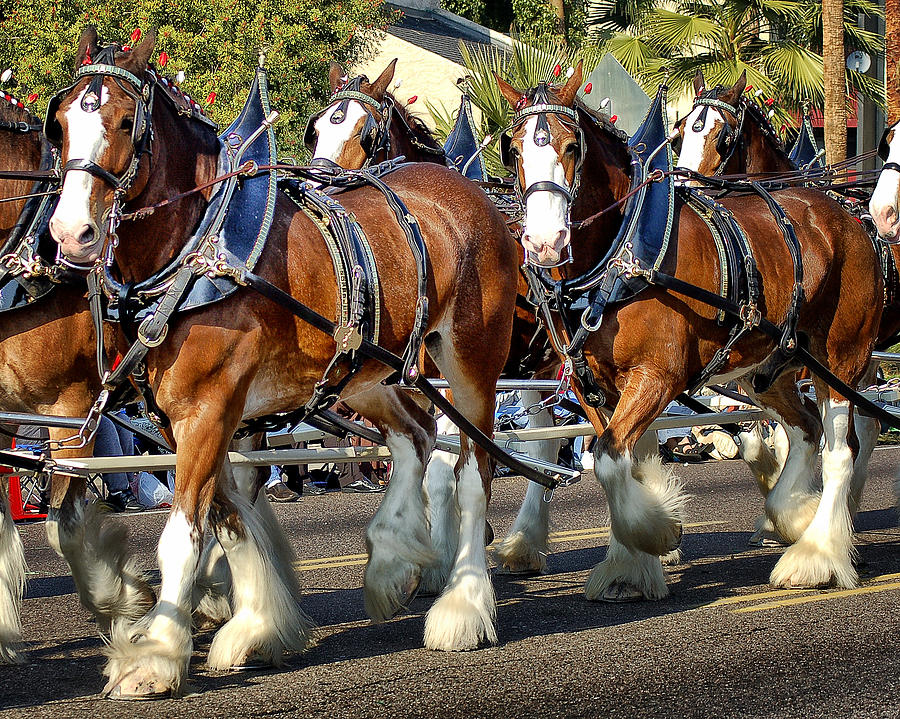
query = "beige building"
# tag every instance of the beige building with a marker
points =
(426, 43)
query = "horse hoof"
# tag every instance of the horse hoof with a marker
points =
(621, 593)
(252, 662)
(410, 591)
(518, 570)
(764, 539)
(134, 688)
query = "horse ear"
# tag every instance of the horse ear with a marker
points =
(734, 92)
(140, 56)
(570, 89)
(512, 95)
(336, 76)
(380, 86)
(87, 45)
(699, 82)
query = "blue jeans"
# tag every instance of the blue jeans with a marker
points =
(113, 441)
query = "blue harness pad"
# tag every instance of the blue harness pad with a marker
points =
(805, 150)
(251, 208)
(462, 143)
(646, 226)
(30, 238)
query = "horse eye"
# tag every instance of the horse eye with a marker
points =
(127, 124)
(572, 148)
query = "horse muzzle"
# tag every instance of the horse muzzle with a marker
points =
(79, 242)
(548, 252)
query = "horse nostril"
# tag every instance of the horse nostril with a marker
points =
(561, 237)
(87, 237)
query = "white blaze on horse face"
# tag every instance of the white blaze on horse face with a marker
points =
(693, 142)
(546, 225)
(333, 136)
(72, 218)
(883, 205)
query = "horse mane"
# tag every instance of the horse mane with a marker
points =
(416, 125)
(765, 124)
(10, 110)
(598, 118)
(184, 104)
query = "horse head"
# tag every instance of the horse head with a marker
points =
(883, 205)
(353, 129)
(117, 111)
(545, 149)
(101, 124)
(709, 133)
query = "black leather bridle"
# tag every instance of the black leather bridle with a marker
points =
(375, 136)
(139, 90)
(541, 107)
(729, 137)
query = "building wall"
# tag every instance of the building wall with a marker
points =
(423, 73)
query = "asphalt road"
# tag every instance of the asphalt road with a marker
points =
(723, 645)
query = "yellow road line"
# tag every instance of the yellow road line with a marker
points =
(799, 594)
(571, 535)
(753, 597)
(868, 589)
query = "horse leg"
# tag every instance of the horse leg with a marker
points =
(823, 553)
(792, 501)
(12, 583)
(646, 502)
(107, 578)
(867, 431)
(267, 617)
(525, 548)
(151, 658)
(766, 469)
(397, 537)
(440, 498)
(212, 590)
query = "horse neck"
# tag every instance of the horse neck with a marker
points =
(20, 151)
(605, 179)
(184, 156)
(760, 154)
(405, 143)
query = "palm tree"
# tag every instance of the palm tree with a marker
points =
(892, 53)
(776, 42)
(835, 81)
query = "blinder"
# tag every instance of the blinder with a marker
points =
(723, 143)
(506, 153)
(884, 147)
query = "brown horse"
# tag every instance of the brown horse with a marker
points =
(726, 133)
(44, 350)
(366, 124)
(525, 548)
(641, 369)
(247, 356)
(752, 147)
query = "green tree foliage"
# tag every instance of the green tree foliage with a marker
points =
(533, 19)
(216, 44)
(778, 43)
